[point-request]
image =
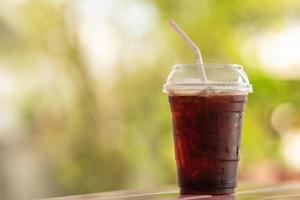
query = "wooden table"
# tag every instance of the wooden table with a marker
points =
(283, 192)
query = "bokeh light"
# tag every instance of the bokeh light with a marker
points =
(82, 108)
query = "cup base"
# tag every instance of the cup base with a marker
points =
(185, 191)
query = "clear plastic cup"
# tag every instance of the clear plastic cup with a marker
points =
(207, 122)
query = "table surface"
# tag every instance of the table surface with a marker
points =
(284, 192)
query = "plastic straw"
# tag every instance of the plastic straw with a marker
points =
(193, 46)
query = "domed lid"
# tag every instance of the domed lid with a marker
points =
(221, 78)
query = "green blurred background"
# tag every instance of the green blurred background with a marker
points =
(82, 108)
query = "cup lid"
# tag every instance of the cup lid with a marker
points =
(221, 78)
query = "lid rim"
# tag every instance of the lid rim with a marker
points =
(208, 83)
(213, 87)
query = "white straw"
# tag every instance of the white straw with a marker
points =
(193, 46)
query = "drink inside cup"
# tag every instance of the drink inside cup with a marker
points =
(207, 123)
(207, 132)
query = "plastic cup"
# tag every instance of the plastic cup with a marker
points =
(207, 123)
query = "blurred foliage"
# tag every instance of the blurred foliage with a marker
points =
(95, 137)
